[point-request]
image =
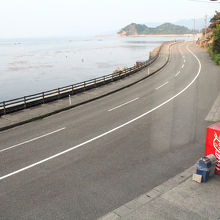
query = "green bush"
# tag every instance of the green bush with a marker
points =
(217, 58)
(214, 47)
(216, 39)
(214, 56)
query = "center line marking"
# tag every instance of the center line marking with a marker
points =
(162, 85)
(34, 139)
(123, 104)
(109, 131)
(182, 66)
(177, 73)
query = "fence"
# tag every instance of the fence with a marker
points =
(17, 104)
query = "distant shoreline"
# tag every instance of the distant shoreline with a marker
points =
(157, 35)
(150, 35)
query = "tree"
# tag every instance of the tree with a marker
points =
(214, 49)
(215, 20)
(216, 39)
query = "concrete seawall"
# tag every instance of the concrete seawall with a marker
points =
(154, 52)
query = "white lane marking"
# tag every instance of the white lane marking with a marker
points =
(182, 66)
(34, 139)
(184, 60)
(161, 85)
(177, 73)
(110, 131)
(123, 104)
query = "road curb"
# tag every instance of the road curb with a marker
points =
(87, 101)
(142, 200)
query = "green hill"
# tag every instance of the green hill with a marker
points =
(142, 29)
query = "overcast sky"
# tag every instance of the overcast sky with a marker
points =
(36, 18)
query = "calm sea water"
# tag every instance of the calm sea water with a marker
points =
(30, 66)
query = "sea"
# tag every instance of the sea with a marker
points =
(29, 66)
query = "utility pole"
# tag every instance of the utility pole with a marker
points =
(194, 28)
(205, 26)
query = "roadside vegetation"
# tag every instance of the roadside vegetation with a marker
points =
(214, 45)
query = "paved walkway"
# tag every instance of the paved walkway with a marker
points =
(178, 198)
(44, 110)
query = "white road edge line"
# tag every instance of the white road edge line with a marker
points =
(110, 131)
(177, 73)
(123, 104)
(161, 85)
(34, 139)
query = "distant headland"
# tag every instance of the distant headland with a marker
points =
(166, 29)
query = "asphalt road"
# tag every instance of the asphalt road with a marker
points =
(85, 162)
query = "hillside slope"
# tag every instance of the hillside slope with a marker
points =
(134, 29)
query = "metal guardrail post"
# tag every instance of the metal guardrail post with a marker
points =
(104, 79)
(43, 96)
(25, 102)
(58, 91)
(4, 107)
(95, 82)
(84, 85)
(72, 88)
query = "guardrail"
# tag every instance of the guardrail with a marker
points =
(17, 104)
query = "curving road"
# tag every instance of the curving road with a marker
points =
(85, 162)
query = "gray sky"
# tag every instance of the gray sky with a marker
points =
(36, 18)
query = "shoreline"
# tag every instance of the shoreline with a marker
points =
(157, 35)
(43, 60)
(59, 93)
